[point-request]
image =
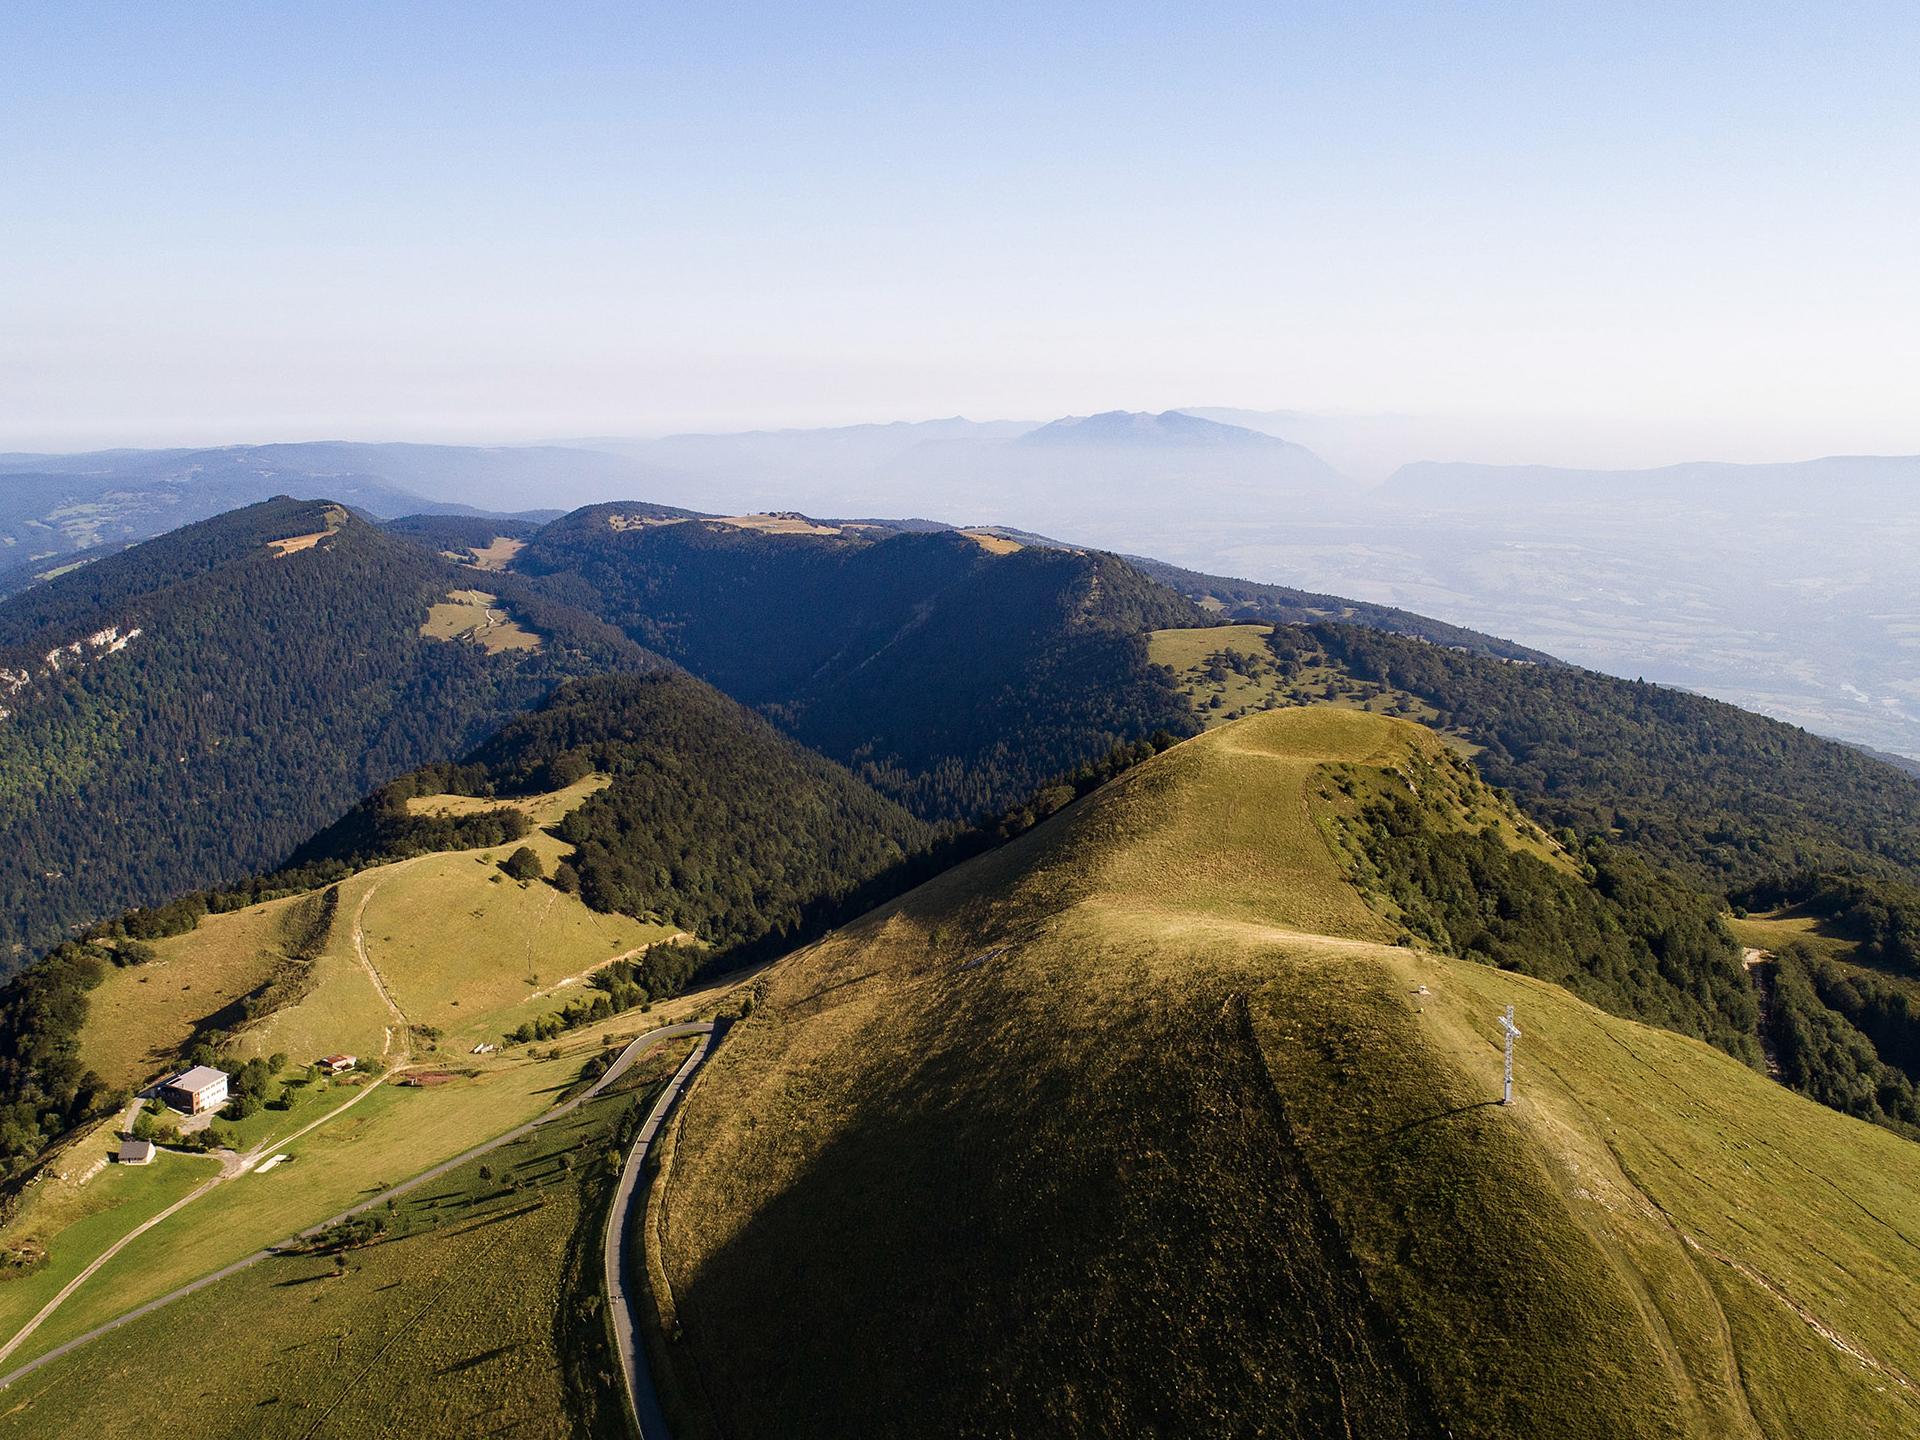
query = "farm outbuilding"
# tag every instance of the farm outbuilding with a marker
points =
(338, 1064)
(136, 1152)
(195, 1090)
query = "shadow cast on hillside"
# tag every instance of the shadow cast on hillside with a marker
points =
(1108, 1239)
(1395, 1132)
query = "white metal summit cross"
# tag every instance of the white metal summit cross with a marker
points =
(1513, 1033)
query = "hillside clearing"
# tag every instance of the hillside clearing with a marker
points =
(496, 554)
(333, 516)
(464, 950)
(777, 524)
(293, 544)
(993, 544)
(475, 616)
(1228, 672)
(541, 810)
(140, 1016)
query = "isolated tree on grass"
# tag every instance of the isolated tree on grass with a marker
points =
(522, 864)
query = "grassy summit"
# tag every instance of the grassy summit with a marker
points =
(1139, 1124)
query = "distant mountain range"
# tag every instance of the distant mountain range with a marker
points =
(58, 510)
(1812, 614)
(1169, 430)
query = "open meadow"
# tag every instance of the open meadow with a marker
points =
(393, 1132)
(476, 1311)
(1137, 1125)
(476, 616)
(413, 965)
(140, 1016)
(458, 946)
(1228, 672)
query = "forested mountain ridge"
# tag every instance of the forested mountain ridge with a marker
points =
(956, 672)
(714, 821)
(953, 673)
(1725, 796)
(1244, 600)
(187, 711)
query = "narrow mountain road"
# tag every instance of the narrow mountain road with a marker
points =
(629, 1198)
(638, 1047)
(401, 1024)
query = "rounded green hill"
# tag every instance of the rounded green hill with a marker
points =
(1138, 1125)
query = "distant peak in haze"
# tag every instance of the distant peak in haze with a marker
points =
(949, 427)
(1168, 429)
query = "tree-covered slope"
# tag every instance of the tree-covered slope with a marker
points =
(714, 821)
(953, 676)
(1142, 1125)
(647, 796)
(187, 711)
(1714, 791)
(1245, 600)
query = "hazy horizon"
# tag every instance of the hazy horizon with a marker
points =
(1363, 446)
(1633, 235)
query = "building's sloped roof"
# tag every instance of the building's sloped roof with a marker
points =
(198, 1078)
(134, 1151)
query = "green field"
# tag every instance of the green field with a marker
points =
(391, 1134)
(462, 949)
(1136, 1126)
(66, 1226)
(1225, 694)
(139, 1017)
(1771, 930)
(459, 945)
(477, 1313)
(464, 953)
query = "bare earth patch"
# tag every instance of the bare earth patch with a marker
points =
(297, 542)
(991, 543)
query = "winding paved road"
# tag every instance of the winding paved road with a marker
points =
(621, 1219)
(638, 1047)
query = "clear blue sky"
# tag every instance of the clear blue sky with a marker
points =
(282, 220)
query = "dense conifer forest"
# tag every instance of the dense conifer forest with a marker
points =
(263, 694)
(1618, 935)
(1725, 796)
(714, 822)
(954, 679)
